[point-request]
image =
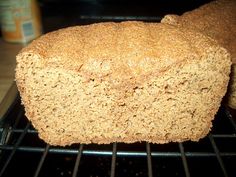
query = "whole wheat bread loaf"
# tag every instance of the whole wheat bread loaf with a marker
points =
(122, 82)
(217, 20)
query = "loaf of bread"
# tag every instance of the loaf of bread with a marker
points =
(122, 82)
(218, 21)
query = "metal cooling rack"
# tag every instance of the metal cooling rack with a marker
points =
(22, 153)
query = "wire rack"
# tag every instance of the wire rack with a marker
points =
(22, 153)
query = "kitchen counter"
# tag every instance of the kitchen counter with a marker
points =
(8, 52)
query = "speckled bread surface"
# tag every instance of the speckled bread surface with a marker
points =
(122, 82)
(232, 88)
(218, 21)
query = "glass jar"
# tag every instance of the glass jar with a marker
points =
(20, 20)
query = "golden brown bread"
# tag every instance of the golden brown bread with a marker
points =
(122, 82)
(218, 21)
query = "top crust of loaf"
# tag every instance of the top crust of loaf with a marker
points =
(216, 19)
(126, 49)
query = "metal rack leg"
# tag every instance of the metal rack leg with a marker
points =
(41, 161)
(75, 171)
(149, 160)
(184, 160)
(113, 160)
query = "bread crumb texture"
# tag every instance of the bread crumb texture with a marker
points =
(122, 82)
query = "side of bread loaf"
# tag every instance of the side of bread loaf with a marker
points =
(218, 21)
(122, 82)
(231, 93)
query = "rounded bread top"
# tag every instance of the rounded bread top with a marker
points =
(121, 49)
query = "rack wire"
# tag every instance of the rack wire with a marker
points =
(24, 154)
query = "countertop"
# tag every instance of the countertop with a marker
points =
(8, 52)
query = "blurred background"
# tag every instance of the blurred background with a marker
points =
(61, 13)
